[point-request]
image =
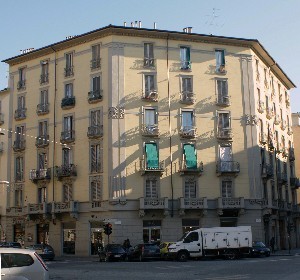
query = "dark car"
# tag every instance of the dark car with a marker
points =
(10, 245)
(112, 252)
(259, 249)
(45, 251)
(144, 251)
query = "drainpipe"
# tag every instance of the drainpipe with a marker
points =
(54, 133)
(170, 135)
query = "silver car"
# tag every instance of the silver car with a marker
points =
(22, 264)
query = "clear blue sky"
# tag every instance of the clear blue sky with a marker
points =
(37, 23)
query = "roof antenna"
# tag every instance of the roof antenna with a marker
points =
(211, 21)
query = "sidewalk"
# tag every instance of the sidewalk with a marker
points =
(292, 252)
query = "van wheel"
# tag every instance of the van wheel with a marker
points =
(182, 256)
(230, 254)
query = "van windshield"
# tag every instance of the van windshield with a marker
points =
(183, 236)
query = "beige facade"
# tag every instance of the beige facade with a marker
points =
(296, 134)
(155, 132)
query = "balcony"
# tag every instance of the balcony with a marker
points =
(38, 208)
(283, 124)
(1, 147)
(285, 152)
(65, 171)
(290, 131)
(224, 133)
(263, 138)
(67, 136)
(69, 71)
(277, 120)
(193, 203)
(145, 169)
(291, 154)
(40, 174)
(42, 109)
(184, 170)
(15, 211)
(1, 118)
(19, 176)
(68, 102)
(154, 203)
(187, 98)
(287, 102)
(228, 168)
(20, 114)
(95, 63)
(294, 182)
(261, 107)
(221, 69)
(95, 96)
(71, 207)
(150, 130)
(150, 95)
(44, 79)
(270, 113)
(267, 171)
(19, 145)
(95, 131)
(186, 65)
(282, 177)
(149, 62)
(188, 132)
(42, 141)
(223, 100)
(231, 203)
(21, 85)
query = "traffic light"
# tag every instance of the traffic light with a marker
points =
(108, 229)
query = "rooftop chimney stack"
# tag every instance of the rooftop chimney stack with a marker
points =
(125, 23)
(154, 25)
(140, 24)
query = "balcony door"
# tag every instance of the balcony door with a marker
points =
(225, 157)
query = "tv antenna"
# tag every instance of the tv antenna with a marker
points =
(211, 22)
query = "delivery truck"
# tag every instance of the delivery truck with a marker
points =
(227, 242)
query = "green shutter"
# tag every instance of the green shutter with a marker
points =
(190, 156)
(152, 156)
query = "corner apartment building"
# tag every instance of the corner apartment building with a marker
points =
(296, 135)
(157, 132)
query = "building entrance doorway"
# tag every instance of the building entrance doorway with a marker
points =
(151, 231)
(96, 237)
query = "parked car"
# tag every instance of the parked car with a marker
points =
(10, 245)
(259, 249)
(144, 251)
(45, 251)
(164, 249)
(112, 252)
(22, 264)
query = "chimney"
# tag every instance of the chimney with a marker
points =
(154, 26)
(140, 24)
(187, 29)
(125, 23)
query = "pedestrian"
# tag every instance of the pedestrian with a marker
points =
(272, 244)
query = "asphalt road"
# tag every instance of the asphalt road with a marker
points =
(272, 268)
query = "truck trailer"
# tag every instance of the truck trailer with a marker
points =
(227, 242)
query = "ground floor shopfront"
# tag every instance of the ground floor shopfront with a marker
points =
(82, 234)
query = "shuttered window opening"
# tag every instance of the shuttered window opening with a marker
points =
(190, 156)
(152, 156)
(151, 188)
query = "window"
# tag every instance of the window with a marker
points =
(20, 133)
(149, 85)
(190, 156)
(226, 188)
(148, 55)
(68, 127)
(69, 65)
(68, 90)
(187, 119)
(42, 195)
(220, 61)
(151, 156)
(96, 84)
(44, 97)
(43, 128)
(67, 192)
(44, 72)
(14, 260)
(225, 153)
(19, 175)
(22, 80)
(96, 188)
(42, 161)
(96, 118)
(224, 125)
(186, 84)
(19, 197)
(151, 188)
(95, 62)
(185, 58)
(95, 158)
(21, 102)
(222, 92)
(67, 156)
(150, 121)
(190, 188)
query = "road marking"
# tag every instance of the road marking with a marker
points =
(231, 277)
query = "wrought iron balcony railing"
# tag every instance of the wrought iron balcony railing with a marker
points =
(65, 170)
(188, 132)
(185, 169)
(150, 130)
(150, 95)
(69, 71)
(224, 133)
(67, 136)
(68, 102)
(21, 85)
(44, 79)
(95, 96)
(40, 174)
(144, 167)
(149, 62)
(42, 108)
(96, 63)
(95, 131)
(187, 97)
(223, 100)
(42, 141)
(19, 145)
(20, 114)
(228, 167)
